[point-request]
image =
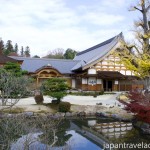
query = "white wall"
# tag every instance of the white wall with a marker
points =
(92, 81)
(73, 83)
(91, 71)
(84, 80)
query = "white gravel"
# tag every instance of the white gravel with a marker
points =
(106, 100)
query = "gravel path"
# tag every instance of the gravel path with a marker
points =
(106, 100)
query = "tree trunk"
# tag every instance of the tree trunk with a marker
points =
(147, 83)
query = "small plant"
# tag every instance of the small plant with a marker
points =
(101, 92)
(64, 107)
(95, 94)
(38, 97)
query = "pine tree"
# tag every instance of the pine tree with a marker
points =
(1, 46)
(27, 52)
(22, 51)
(16, 48)
(8, 48)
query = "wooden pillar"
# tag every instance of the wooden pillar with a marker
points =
(37, 81)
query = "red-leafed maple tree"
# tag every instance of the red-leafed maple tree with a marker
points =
(139, 104)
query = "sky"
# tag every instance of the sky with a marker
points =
(45, 25)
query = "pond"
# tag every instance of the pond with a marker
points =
(76, 142)
(66, 134)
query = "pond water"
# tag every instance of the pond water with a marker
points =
(76, 142)
(70, 134)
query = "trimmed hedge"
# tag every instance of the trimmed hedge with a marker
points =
(64, 107)
(87, 93)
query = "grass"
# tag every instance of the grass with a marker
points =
(52, 106)
(14, 110)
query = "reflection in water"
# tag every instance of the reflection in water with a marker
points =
(92, 123)
(37, 133)
(81, 143)
(31, 141)
(113, 130)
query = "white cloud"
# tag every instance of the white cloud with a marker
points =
(44, 25)
(103, 18)
(116, 3)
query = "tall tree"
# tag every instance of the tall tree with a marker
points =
(1, 46)
(136, 56)
(70, 53)
(36, 56)
(56, 54)
(143, 36)
(8, 47)
(27, 52)
(22, 51)
(16, 48)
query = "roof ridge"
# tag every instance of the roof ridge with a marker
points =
(100, 44)
(43, 58)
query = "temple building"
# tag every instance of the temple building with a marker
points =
(94, 69)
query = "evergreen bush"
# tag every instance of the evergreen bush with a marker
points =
(64, 107)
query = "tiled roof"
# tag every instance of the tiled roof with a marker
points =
(96, 52)
(96, 46)
(5, 59)
(33, 64)
(81, 61)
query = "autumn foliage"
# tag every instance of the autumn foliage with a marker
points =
(139, 105)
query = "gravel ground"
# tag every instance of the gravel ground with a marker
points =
(106, 100)
(81, 103)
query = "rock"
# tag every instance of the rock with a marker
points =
(2, 115)
(58, 115)
(83, 114)
(74, 114)
(10, 115)
(99, 104)
(145, 131)
(68, 114)
(116, 116)
(28, 114)
(90, 114)
(55, 101)
(62, 114)
(103, 114)
(145, 126)
(98, 114)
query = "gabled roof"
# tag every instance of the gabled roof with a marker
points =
(5, 59)
(90, 55)
(46, 67)
(33, 64)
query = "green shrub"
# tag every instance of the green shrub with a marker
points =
(101, 92)
(55, 88)
(38, 97)
(92, 93)
(64, 107)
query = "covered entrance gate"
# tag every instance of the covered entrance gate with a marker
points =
(108, 85)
